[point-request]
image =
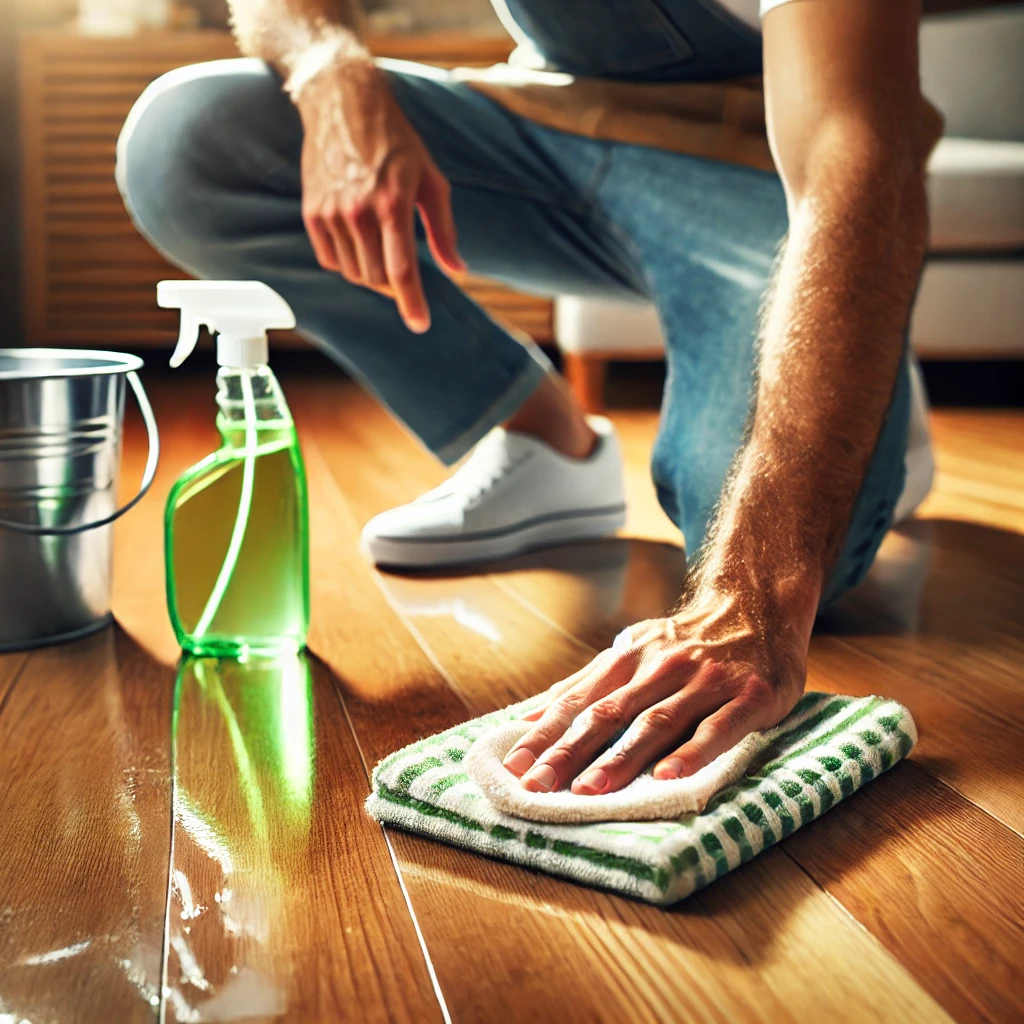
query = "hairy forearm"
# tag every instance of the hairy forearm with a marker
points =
(832, 339)
(299, 37)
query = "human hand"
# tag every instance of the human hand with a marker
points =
(685, 688)
(364, 172)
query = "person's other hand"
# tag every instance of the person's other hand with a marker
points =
(685, 689)
(364, 173)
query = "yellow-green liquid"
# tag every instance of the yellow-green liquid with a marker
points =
(265, 604)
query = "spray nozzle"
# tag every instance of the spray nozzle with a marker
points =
(240, 312)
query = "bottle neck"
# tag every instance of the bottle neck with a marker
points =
(250, 391)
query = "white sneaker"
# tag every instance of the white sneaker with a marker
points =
(919, 461)
(514, 493)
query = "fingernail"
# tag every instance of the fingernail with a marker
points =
(542, 777)
(519, 761)
(671, 768)
(592, 782)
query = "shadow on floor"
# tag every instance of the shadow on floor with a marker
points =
(960, 579)
(738, 919)
(937, 576)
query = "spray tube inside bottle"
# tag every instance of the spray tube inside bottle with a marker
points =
(257, 597)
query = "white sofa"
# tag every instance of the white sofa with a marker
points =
(971, 299)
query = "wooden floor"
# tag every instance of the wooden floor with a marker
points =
(200, 853)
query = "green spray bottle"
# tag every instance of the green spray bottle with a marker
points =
(236, 527)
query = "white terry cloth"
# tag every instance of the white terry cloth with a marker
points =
(644, 799)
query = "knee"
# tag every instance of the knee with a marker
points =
(664, 475)
(183, 143)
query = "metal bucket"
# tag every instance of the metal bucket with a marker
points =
(61, 413)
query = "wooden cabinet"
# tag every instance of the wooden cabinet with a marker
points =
(89, 278)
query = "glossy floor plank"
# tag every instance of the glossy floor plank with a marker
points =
(284, 903)
(488, 966)
(84, 833)
(763, 946)
(980, 463)
(903, 903)
(940, 883)
(10, 668)
(392, 691)
(494, 650)
(515, 652)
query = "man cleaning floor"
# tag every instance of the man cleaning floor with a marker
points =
(581, 168)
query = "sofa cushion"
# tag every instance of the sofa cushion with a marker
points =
(970, 309)
(976, 196)
(966, 308)
(971, 69)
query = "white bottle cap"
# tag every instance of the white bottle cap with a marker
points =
(235, 351)
(239, 312)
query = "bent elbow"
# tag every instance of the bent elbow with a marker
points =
(859, 172)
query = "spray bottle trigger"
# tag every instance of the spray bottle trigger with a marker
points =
(188, 336)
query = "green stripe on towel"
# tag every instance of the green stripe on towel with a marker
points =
(835, 745)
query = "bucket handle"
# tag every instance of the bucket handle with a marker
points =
(147, 476)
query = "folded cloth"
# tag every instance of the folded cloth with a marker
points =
(644, 799)
(657, 841)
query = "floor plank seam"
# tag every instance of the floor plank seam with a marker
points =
(423, 645)
(165, 946)
(981, 810)
(388, 600)
(431, 972)
(442, 1004)
(526, 603)
(967, 708)
(14, 682)
(844, 909)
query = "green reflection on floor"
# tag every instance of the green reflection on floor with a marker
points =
(264, 709)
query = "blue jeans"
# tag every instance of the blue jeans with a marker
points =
(208, 164)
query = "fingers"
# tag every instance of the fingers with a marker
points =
(715, 735)
(403, 267)
(589, 716)
(367, 234)
(556, 690)
(595, 680)
(346, 262)
(655, 729)
(364, 225)
(594, 728)
(321, 240)
(435, 205)
(695, 710)
(332, 245)
(374, 246)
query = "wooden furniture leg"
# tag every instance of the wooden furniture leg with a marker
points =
(586, 375)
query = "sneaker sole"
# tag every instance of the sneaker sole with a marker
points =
(486, 546)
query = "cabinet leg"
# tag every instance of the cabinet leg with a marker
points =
(586, 375)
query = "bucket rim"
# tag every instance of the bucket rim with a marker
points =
(107, 363)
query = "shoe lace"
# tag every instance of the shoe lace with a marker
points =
(486, 465)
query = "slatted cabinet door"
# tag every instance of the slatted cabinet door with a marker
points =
(89, 278)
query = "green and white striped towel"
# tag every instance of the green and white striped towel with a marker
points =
(828, 747)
